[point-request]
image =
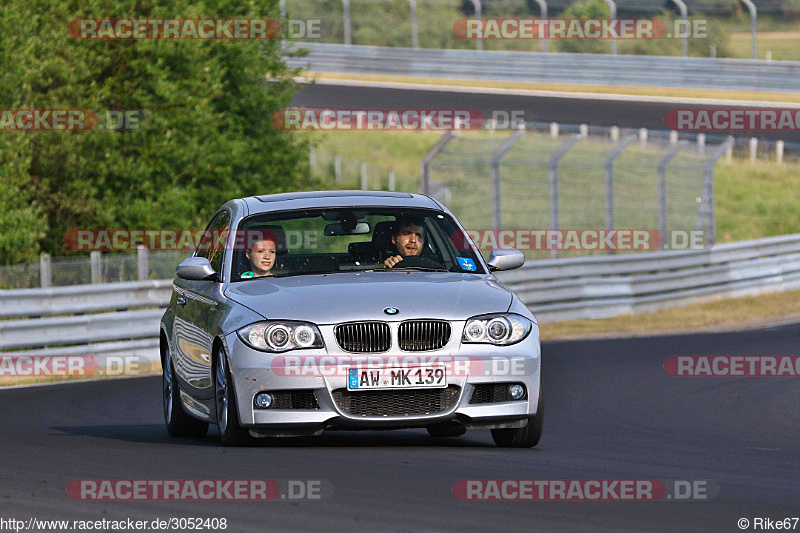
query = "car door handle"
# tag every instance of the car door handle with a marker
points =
(182, 300)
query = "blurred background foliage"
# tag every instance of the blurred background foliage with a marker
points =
(207, 135)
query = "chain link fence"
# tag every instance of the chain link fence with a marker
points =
(572, 179)
(97, 268)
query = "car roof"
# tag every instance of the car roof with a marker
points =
(322, 199)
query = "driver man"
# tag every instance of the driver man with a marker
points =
(408, 239)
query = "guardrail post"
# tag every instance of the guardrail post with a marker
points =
(96, 260)
(543, 9)
(701, 143)
(753, 19)
(363, 175)
(613, 7)
(45, 271)
(583, 129)
(662, 188)
(312, 157)
(779, 147)
(348, 39)
(643, 137)
(414, 32)
(554, 130)
(337, 169)
(497, 220)
(143, 262)
(609, 165)
(673, 137)
(553, 178)
(391, 180)
(708, 205)
(753, 149)
(424, 164)
(478, 14)
(615, 134)
(685, 37)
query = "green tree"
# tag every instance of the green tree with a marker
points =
(207, 135)
(585, 9)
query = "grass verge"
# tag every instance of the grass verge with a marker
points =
(720, 314)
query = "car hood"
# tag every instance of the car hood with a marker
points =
(343, 297)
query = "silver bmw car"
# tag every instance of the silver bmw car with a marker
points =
(314, 311)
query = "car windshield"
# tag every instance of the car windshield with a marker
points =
(346, 240)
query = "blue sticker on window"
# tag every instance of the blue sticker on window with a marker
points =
(353, 378)
(467, 264)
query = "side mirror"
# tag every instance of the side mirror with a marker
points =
(506, 259)
(197, 269)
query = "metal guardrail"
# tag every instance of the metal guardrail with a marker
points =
(654, 71)
(554, 289)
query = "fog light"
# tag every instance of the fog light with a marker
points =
(263, 400)
(516, 391)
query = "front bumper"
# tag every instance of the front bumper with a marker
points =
(325, 371)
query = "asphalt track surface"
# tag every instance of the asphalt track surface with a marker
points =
(622, 113)
(612, 413)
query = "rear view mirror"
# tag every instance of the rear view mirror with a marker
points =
(338, 230)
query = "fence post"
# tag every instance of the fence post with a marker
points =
(414, 31)
(45, 271)
(337, 169)
(424, 164)
(478, 14)
(643, 137)
(662, 189)
(583, 129)
(543, 9)
(143, 261)
(497, 217)
(363, 174)
(96, 260)
(615, 133)
(312, 158)
(682, 8)
(346, 20)
(553, 178)
(391, 180)
(613, 7)
(753, 19)
(753, 149)
(779, 146)
(554, 130)
(282, 5)
(673, 137)
(701, 143)
(708, 207)
(610, 179)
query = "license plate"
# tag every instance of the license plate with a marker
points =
(427, 377)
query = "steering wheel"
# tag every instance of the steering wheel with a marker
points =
(420, 261)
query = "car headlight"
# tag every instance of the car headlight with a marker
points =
(500, 330)
(281, 336)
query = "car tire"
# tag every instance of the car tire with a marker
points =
(179, 423)
(524, 437)
(446, 430)
(231, 433)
